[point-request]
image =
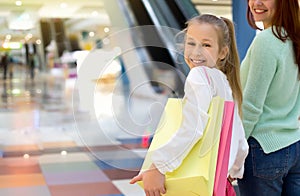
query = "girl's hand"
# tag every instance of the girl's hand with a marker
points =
(153, 180)
(230, 179)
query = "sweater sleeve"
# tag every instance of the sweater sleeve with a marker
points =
(197, 99)
(257, 72)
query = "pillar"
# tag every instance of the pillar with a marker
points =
(244, 33)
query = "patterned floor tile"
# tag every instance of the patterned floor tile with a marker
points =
(64, 144)
(19, 169)
(20, 148)
(117, 174)
(90, 189)
(30, 191)
(70, 157)
(69, 167)
(128, 189)
(21, 180)
(128, 164)
(75, 177)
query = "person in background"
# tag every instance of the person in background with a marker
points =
(270, 74)
(5, 63)
(211, 53)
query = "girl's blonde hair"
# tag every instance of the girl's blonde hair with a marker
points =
(230, 66)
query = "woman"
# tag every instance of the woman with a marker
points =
(270, 76)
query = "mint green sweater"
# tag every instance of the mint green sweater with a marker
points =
(271, 88)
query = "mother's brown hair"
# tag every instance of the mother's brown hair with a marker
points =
(287, 17)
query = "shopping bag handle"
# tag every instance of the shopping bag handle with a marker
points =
(214, 123)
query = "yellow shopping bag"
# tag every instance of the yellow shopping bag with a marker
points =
(195, 176)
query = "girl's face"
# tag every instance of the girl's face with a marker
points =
(201, 46)
(263, 10)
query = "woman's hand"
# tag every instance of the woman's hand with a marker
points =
(153, 180)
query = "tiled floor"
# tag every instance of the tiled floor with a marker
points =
(50, 146)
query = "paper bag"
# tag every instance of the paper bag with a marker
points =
(195, 176)
(224, 150)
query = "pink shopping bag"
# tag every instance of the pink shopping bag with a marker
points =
(229, 189)
(224, 150)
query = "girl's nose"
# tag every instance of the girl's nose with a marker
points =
(198, 49)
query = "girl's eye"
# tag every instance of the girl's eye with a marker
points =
(191, 43)
(206, 45)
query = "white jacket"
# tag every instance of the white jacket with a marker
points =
(202, 84)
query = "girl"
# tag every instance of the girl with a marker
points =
(270, 75)
(210, 52)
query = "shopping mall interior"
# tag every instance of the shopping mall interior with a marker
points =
(84, 87)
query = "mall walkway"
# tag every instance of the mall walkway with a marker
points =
(49, 146)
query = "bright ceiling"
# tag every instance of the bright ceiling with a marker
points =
(217, 7)
(20, 20)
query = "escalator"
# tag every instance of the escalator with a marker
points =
(167, 18)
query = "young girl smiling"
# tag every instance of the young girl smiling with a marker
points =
(210, 52)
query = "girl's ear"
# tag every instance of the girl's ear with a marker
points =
(223, 53)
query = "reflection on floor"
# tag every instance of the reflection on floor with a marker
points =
(43, 153)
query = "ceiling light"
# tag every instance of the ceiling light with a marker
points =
(106, 29)
(91, 34)
(63, 5)
(8, 37)
(18, 3)
(95, 13)
(21, 25)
